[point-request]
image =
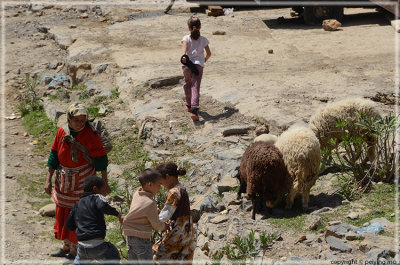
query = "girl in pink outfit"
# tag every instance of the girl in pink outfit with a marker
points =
(194, 46)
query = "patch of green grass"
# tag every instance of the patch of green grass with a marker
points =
(42, 164)
(180, 151)
(49, 235)
(30, 99)
(81, 86)
(114, 235)
(93, 112)
(235, 189)
(39, 126)
(115, 93)
(293, 219)
(184, 126)
(56, 96)
(32, 185)
(100, 100)
(84, 95)
(37, 123)
(128, 149)
(380, 198)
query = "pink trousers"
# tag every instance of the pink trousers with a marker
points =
(191, 86)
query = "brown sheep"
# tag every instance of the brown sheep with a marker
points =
(263, 170)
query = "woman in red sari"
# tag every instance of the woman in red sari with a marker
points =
(76, 153)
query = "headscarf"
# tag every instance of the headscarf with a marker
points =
(76, 109)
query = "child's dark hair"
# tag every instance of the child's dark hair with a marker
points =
(171, 169)
(92, 181)
(149, 175)
(194, 25)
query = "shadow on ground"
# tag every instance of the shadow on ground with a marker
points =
(228, 112)
(369, 17)
(316, 202)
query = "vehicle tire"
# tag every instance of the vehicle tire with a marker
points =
(314, 15)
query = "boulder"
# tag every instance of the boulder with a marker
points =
(331, 24)
(53, 111)
(53, 65)
(227, 184)
(372, 241)
(340, 230)
(202, 243)
(226, 167)
(235, 129)
(264, 129)
(374, 255)
(351, 236)
(353, 215)
(323, 210)
(215, 248)
(216, 232)
(230, 198)
(48, 210)
(219, 219)
(100, 68)
(64, 42)
(204, 223)
(196, 201)
(337, 244)
(199, 257)
(233, 154)
(384, 222)
(209, 204)
(313, 221)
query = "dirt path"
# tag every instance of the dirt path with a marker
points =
(27, 234)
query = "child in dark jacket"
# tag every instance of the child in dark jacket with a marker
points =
(87, 220)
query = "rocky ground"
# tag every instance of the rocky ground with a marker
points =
(265, 74)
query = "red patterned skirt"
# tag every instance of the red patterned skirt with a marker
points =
(60, 231)
(67, 191)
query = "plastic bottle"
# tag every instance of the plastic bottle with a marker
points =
(374, 227)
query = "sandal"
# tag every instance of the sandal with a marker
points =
(69, 259)
(60, 253)
(187, 107)
(194, 117)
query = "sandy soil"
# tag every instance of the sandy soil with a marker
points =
(307, 68)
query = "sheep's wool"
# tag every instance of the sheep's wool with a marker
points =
(302, 155)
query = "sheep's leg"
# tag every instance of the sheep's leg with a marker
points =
(242, 189)
(253, 214)
(242, 186)
(292, 194)
(305, 197)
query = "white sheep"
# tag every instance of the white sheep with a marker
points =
(302, 156)
(267, 138)
(323, 123)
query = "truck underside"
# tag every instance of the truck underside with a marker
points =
(312, 13)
